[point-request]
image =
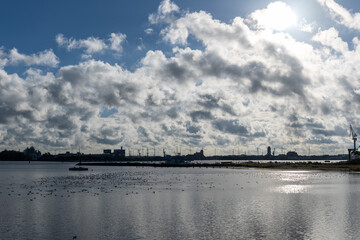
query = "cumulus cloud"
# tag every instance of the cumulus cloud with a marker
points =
(277, 16)
(341, 15)
(95, 82)
(107, 136)
(44, 58)
(255, 70)
(331, 39)
(230, 126)
(116, 40)
(243, 86)
(3, 58)
(192, 128)
(164, 13)
(209, 101)
(204, 27)
(196, 115)
(149, 31)
(307, 27)
(92, 45)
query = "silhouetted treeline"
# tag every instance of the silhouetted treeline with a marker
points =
(13, 156)
(47, 157)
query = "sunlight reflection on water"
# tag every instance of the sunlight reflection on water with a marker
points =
(292, 189)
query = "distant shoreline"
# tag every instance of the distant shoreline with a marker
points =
(341, 166)
(346, 166)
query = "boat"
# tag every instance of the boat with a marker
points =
(78, 168)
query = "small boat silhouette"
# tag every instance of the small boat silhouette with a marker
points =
(78, 168)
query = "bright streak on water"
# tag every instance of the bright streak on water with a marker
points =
(46, 201)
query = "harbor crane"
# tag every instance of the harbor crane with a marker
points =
(354, 136)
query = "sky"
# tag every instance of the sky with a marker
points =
(223, 76)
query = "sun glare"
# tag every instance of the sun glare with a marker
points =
(277, 16)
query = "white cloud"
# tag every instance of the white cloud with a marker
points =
(306, 27)
(116, 40)
(331, 39)
(206, 29)
(3, 58)
(341, 15)
(44, 58)
(91, 44)
(164, 13)
(242, 87)
(271, 53)
(277, 16)
(149, 31)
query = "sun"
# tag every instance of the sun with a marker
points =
(277, 16)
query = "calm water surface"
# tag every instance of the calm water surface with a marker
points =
(46, 201)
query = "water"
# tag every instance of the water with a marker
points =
(46, 201)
